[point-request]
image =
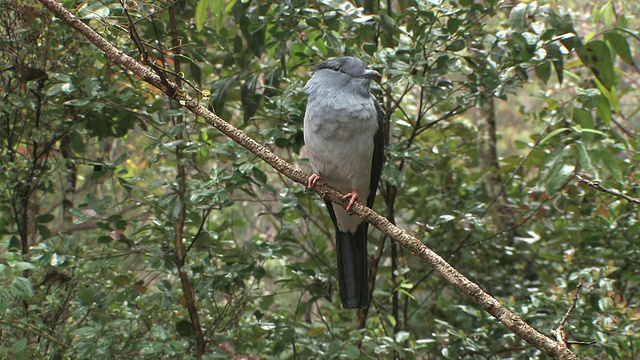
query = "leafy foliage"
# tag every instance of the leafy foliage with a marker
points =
(93, 163)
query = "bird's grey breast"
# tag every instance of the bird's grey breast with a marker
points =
(339, 128)
(339, 118)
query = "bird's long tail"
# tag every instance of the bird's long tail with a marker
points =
(353, 267)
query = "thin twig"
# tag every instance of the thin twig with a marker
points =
(596, 185)
(32, 329)
(559, 332)
(622, 128)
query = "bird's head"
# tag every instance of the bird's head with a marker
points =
(348, 65)
(348, 74)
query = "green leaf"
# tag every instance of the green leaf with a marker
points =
(77, 142)
(22, 287)
(313, 22)
(23, 265)
(590, 98)
(584, 160)
(611, 164)
(5, 300)
(218, 10)
(597, 57)
(77, 102)
(201, 13)
(518, 17)
(55, 89)
(45, 218)
(543, 71)
(170, 145)
(152, 348)
(43, 231)
(353, 352)
(613, 100)
(592, 131)
(620, 45)
(558, 66)
(388, 20)
(596, 14)
(391, 174)
(607, 13)
(122, 280)
(456, 45)
(57, 260)
(553, 134)
(86, 332)
(259, 175)
(184, 328)
(177, 347)
(332, 42)
(522, 49)
(19, 350)
(174, 131)
(174, 208)
(219, 92)
(250, 98)
(453, 24)
(87, 296)
(253, 32)
(259, 272)
(558, 176)
(604, 110)
(605, 304)
(583, 118)
(445, 218)
(561, 170)
(403, 336)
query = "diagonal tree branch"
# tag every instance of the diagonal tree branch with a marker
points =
(510, 319)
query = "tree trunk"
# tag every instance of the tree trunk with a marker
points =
(71, 179)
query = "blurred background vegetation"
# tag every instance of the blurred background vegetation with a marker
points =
(130, 229)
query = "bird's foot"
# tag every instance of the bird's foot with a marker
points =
(312, 180)
(354, 196)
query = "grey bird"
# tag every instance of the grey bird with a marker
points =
(343, 133)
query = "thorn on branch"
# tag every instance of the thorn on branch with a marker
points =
(559, 331)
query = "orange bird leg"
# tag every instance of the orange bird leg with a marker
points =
(312, 180)
(354, 196)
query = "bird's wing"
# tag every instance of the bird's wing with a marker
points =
(378, 155)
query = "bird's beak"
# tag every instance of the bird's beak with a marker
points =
(369, 74)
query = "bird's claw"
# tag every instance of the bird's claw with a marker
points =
(354, 196)
(312, 180)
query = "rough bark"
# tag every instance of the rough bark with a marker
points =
(71, 180)
(487, 151)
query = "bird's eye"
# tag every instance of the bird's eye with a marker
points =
(336, 68)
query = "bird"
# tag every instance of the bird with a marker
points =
(344, 137)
